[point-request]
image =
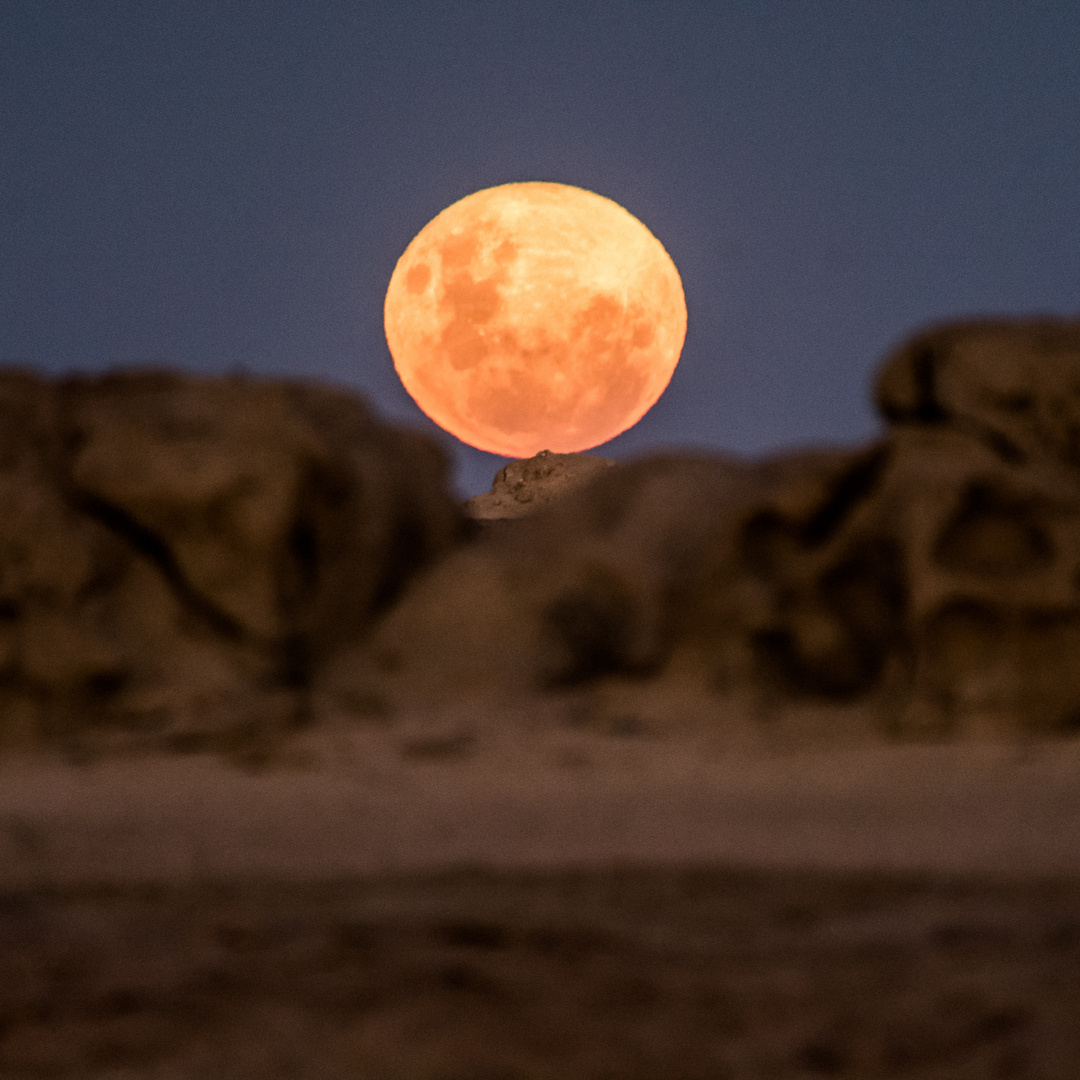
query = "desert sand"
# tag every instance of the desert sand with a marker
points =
(445, 899)
(433, 795)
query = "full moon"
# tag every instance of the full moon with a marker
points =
(535, 316)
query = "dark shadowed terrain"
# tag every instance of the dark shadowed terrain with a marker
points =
(695, 973)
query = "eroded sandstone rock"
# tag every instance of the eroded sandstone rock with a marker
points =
(985, 420)
(1014, 386)
(589, 586)
(178, 555)
(934, 572)
(525, 486)
(182, 559)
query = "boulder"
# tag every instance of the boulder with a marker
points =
(986, 491)
(179, 555)
(588, 586)
(1014, 386)
(729, 568)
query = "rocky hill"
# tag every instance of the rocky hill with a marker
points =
(933, 575)
(179, 555)
(196, 563)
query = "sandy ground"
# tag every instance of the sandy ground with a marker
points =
(434, 794)
(445, 900)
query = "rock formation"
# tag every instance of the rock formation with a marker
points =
(191, 561)
(178, 555)
(933, 573)
(525, 486)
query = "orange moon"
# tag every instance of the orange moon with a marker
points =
(535, 316)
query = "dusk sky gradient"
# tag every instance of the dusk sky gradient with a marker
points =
(220, 186)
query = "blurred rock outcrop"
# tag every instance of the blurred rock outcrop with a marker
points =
(933, 573)
(984, 489)
(178, 555)
(524, 486)
(183, 561)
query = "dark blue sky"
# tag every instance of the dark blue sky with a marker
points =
(220, 185)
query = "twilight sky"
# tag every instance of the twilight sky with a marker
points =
(222, 185)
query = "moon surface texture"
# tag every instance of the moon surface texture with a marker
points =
(535, 316)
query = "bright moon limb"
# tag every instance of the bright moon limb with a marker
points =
(535, 316)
